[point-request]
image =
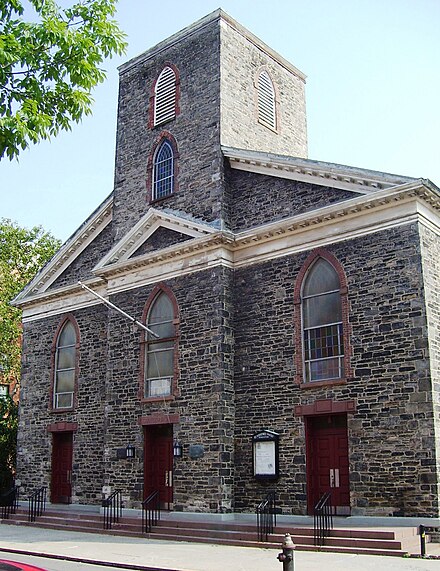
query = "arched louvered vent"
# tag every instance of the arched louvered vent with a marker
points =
(165, 96)
(266, 101)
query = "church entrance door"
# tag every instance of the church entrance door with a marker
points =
(61, 480)
(327, 461)
(158, 463)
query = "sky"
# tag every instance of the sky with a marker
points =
(372, 93)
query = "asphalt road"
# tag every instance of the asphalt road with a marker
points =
(147, 554)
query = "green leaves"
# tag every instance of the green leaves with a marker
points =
(22, 253)
(8, 439)
(49, 68)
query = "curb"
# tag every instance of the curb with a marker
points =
(88, 561)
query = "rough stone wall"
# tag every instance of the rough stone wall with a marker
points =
(241, 60)
(81, 267)
(204, 401)
(161, 238)
(217, 67)
(431, 273)
(258, 199)
(195, 129)
(34, 442)
(391, 434)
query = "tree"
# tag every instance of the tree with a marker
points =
(49, 66)
(8, 440)
(22, 253)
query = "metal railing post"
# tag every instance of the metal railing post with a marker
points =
(150, 512)
(37, 503)
(112, 509)
(266, 516)
(323, 519)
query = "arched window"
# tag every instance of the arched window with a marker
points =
(65, 366)
(163, 171)
(266, 101)
(322, 323)
(159, 362)
(165, 96)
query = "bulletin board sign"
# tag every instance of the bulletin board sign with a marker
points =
(265, 445)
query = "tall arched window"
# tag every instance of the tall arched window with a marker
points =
(322, 323)
(159, 362)
(163, 171)
(266, 101)
(65, 366)
(165, 96)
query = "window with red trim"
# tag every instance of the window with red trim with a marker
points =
(322, 328)
(163, 171)
(323, 341)
(160, 349)
(65, 366)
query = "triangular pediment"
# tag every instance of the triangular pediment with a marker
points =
(87, 235)
(157, 230)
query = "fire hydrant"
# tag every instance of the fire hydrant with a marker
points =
(286, 556)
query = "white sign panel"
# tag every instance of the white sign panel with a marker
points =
(264, 458)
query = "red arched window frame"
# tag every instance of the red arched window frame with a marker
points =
(298, 320)
(52, 393)
(158, 290)
(152, 107)
(168, 137)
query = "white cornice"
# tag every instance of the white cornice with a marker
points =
(146, 226)
(68, 298)
(69, 251)
(360, 181)
(360, 216)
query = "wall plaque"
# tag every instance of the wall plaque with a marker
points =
(265, 446)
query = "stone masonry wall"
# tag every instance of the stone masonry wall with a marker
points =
(431, 273)
(204, 401)
(258, 199)
(82, 266)
(36, 414)
(241, 61)
(391, 433)
(195, 129)
(161, 238)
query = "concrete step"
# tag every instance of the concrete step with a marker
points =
(343, 540)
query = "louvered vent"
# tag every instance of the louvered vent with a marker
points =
(266, 101)
(165, 97)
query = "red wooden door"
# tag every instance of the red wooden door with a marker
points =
(327, 462)
(61, 485)
(158, 458)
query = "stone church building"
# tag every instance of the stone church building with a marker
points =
(281, 315)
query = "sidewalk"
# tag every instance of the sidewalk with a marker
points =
(148, 554)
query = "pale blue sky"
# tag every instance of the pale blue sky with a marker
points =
(373, 96)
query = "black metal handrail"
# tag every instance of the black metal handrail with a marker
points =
(9, 502)
(37, 503)
(112, 509)
(150, 512)
(323, 518)
(266, 516)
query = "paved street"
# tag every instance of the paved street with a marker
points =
(151, 554)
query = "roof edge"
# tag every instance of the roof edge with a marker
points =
(217, 15)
